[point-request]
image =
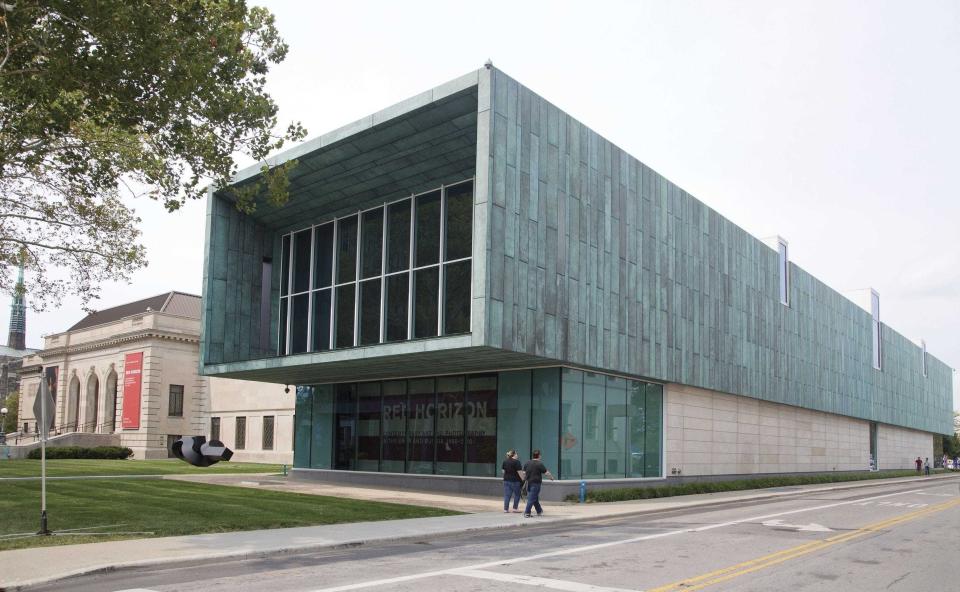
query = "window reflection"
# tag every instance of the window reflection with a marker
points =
(420, 428)
(398, 236)
(323, 256)
(456, 298)
(425, 302)
(428, 229)
(372, 249)
(346, 249)
(370, 312)
(345, 315)
(459, 222)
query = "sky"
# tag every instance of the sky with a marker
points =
(832, 124)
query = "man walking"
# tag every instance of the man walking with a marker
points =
(535, 470)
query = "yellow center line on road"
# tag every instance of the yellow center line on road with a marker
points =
(734, 571)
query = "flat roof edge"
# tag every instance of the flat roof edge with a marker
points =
(399, 109)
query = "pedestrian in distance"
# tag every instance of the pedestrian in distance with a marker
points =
(535, 470)
(512, 479)
(926, 466)
(919, 464)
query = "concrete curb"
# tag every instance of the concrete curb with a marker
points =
(171, 476)
(703, 502)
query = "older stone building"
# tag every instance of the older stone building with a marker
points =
(132, 371)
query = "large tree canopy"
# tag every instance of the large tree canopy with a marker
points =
(98, 97)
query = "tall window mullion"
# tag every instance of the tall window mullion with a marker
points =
(383, 281)
(313, 255)
(410, 266)
(442, 258)
(356, 285)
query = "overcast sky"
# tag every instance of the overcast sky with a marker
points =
(833, 124)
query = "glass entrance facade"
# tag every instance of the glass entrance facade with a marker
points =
(587, 425)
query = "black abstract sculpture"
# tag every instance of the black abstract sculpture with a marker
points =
(200, 453)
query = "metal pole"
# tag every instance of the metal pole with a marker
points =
(44, 393)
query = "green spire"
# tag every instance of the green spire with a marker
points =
(17, 337)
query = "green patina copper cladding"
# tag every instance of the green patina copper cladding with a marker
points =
(582, 256)
(232, 270)
(598, 261)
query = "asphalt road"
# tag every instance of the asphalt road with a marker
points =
(889, 537)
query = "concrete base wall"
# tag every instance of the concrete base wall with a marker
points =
(898, 448)
(711, 433)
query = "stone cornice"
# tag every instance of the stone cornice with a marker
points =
(115, 340)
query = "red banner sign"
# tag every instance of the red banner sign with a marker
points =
(132, 375)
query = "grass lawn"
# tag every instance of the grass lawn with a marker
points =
(78, 467)
(168, 508)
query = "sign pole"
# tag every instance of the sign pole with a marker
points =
(44, 393)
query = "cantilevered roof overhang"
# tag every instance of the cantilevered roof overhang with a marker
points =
(410, 147)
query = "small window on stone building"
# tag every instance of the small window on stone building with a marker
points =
(214, 428)
(241, 434)
(268, 423)
(171, 438)
(26, 427)
(176, 401)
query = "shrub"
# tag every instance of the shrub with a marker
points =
(657, 491)
(96, 452)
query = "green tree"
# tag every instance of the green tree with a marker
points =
(154, 97)
(12, 404)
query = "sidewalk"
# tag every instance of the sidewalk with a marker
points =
(458, 503)
(25, 567)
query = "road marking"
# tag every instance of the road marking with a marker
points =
(734, 571)
(536, 582)
(587, 548)
(812, 527)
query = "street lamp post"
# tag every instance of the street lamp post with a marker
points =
(3, 421)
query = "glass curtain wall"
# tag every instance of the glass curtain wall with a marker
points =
(396, 272)
(587, 425)
(612, 427)
(445, 425)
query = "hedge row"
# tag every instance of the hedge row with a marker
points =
(107, 452)
(635, 493)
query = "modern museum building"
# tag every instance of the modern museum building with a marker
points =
(473, 270)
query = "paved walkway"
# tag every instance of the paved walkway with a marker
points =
(458, 502)
(24, 567)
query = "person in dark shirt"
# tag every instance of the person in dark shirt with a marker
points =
(511, 481)
(535, 470)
